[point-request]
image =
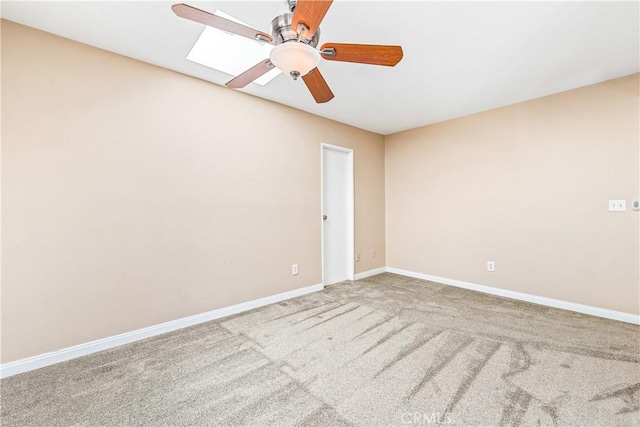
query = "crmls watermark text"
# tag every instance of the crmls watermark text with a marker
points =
(423, 418)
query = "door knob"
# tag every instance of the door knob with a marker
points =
(324, 217)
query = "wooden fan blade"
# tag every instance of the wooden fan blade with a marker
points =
(251, 74)
(362, 53)
(318, 86)
(310, 13)
(193, 14)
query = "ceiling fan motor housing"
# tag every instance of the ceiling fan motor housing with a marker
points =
(282, 31)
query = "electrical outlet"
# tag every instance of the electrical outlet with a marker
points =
(491, 266)
(617, 205)
(357, 257)
(373, 254)
(294, 269)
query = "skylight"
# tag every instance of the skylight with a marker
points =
(229, 53)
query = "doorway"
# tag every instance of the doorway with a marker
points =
(337, 214)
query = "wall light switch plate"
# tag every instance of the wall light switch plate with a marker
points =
(294, 269)
(617, 205)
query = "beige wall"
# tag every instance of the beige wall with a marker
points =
(525, 186)
(133, 195)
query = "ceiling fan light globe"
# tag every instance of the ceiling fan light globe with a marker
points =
(293, 56)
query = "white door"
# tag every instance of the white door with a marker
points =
(337, 214)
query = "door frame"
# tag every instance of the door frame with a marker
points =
(350, 208)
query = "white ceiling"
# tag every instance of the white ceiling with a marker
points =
(459, 57)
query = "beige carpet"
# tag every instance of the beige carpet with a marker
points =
(383, 351)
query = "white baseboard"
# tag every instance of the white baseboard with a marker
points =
(42, 360)
(369, 273)
(35, 362)
(550, 302)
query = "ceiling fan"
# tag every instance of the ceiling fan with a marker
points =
(295, 36)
